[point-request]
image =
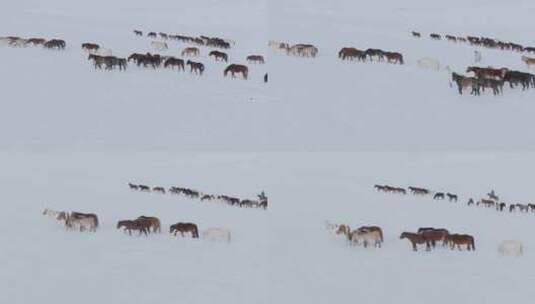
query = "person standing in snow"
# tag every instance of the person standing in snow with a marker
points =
(477, 56)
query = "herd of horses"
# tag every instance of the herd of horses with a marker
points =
(261, 202)
(142, 225)
(201, 40)
(351, 53)
(102, 58)
(15, 41)
(373, 236)
(480, 41)
(491, 200)
(493, 79)
(156, 61)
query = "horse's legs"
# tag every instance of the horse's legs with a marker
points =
(414, 246)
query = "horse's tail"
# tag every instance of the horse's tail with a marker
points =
(401, 60)
(473, 243)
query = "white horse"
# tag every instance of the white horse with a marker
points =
(429, 63)
(160, 46)
(81, 223)
(511, 248)
(368, 238)
(217, 234)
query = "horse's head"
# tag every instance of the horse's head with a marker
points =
(403, 235)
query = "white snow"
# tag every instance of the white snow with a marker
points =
(316, 138)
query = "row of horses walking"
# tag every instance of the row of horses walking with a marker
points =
(201, 40)
(490, 200)
(260, 202)
(156, 61)
(372, 236)
(15, 41)
(481, 41)
(352, 54)
(142, 225)
(417, 191)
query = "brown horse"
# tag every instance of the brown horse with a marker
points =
(460, 239)
(416, 34)
(393, 57)
(466, 82)
(486, 202)
(236, 68)
(415, 239)
(36, 41)
(435, 36)
(418, 191)
(90, 46)
(159, 190)
(487, 72)
(219, 56)
(130, 225)
(174, 62)
(185, 228)
(434, 235)
(190, 51)
(195, 67)
(152, 222)
(256, 59)
(351, 53)
(138, 33)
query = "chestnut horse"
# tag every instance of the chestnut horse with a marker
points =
(460, 239)
(236, 68)
(434, 235)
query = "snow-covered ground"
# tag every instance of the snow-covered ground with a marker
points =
(316, 138)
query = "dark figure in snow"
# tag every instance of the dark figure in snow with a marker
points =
(265, 78)
(493, 195)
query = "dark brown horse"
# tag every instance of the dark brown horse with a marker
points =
(184, 228)
(138, 33)
(393, 57)
(55, 44)
(236, 68)
(351, 53)
(416, 34)
(415, 239)
(256, 59)
(461, 239)
(174, 62)
(219, 56)
(434, 235)
(435, 36)
(135, 225)
(418, 191)
(195, 67)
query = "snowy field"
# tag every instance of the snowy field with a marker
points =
(316, 138)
